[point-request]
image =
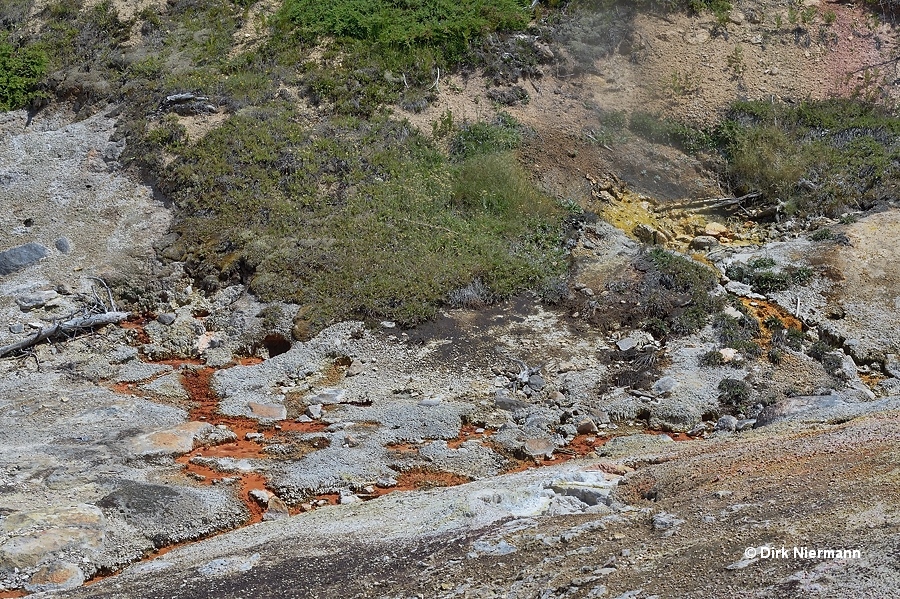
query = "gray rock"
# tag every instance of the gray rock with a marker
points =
(430, 402)
(35, 300)
(536, 382)
(63, 245)
(503, 401)
(386, 482)
(260, 496)
(135, 371)
(892, 365)
(664, 385)
(166, 319)
(217, 357)
(169, 514)
(665, 521)
(629, 444)
(55, 576)
(17, 329)
(328, 397)
(314, 411)
(167, 386)
(727, 423)
(745, 424)
(703, 242)
(587, 427)
(356, 368)
(626, 344)
(822, 408)
(21, 257)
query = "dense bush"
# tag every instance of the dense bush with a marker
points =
(20, 71)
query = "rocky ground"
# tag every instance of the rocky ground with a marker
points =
(194, 449)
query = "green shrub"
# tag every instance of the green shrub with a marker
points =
(20, 71)
(679, 276)
(822, 235)
(733, 392)
(448, 26)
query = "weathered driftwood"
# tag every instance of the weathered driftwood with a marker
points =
(711, 203)
(66, 328)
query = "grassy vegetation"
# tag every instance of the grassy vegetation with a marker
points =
(359, 217)
(819, 157)
(815, 157)
(351, 213)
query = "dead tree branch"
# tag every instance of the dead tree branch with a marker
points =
(65, 328)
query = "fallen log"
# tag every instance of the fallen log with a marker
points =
(66, 328)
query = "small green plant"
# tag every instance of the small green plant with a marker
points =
(443, 126)
(733, 392)
(773, 323)
(829, 17)
(793, 15)
(793, 338)
(775, 356)
(761, 262)
(712, 358)
(808, 15)
(735, 61)
(818, 350)
(20, 71)
(684, 83)
(822, 235)
(848, 219)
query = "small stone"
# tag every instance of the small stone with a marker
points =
(314, 411)
(260, 496)
(648, 234)
(729, 354)
(699, 429)
(254, 436)
(716, 230)
(165, 319)
(34, 300)
(536, 447)
(745, 424)
(736, 17)
(17, 328)
(356, 368)
(277, 509)
(430, 402)
(626, 344)
(727, 423)
(386, 482)
(349, 498)
(351, 441)
(703, 242)
(536, 382)
(664, 385)
(587, 427)
(63, 245)
(665, 521)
